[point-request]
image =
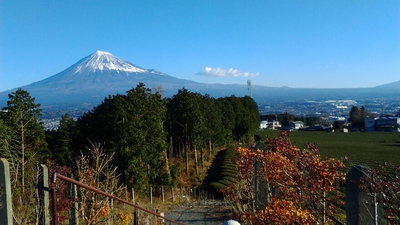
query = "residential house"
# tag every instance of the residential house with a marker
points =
(297, 125)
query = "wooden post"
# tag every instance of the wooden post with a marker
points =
(133, 195)
(135, 216)
(151, 195)
(43, 190)
(261, 193)
(111, 201)
(73, 212)
(5, 199)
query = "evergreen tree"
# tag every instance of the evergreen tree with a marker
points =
(228, 118)
(61, 141)
(269, 117)
(239, 129)
(252, 116)
(131, 125)
(213, 127)
(337, 126)
(146, 136)
(187, 122)
(27, 138)
(24, 146)
(247, 118)
(213, 118)
(5, 139)
(356, 116)
(310, 121)
(286, 118)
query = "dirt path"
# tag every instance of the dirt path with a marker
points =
(204, 212)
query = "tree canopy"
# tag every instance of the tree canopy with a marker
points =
(357, 116)
(130, 125)
(141, 129)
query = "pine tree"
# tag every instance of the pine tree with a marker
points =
(27, 139)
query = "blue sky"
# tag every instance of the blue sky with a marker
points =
(318, 44)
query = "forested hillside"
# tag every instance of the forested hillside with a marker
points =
(152, 140)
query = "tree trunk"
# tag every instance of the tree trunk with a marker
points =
(22, 156)
(202, 157)
(195, 161)
(187, 161)
(186, 149)
(171, 147)
(167, 165)
(181, 150)
(210, 147)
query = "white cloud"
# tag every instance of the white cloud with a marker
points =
(219, 72)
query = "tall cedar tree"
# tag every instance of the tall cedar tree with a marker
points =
(247, 118)
(131, 126)
(213, 127)
(187, 122)
(356, 117)
(61, 141)
(228, 119)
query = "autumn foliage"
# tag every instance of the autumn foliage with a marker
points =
(297, 181)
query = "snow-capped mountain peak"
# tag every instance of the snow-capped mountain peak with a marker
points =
(100, 61)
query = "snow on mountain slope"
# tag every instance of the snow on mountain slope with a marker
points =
(100, 61)
(102, 74)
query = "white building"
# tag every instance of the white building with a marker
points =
(273, 125)
(297, 125)
(263, 124)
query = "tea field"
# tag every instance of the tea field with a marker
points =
(364, 148)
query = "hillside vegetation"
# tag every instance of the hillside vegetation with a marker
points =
(304, 175)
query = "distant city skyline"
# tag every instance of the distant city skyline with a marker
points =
(307, 44)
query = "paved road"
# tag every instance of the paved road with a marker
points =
(201, 212)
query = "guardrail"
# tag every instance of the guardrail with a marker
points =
(77, 183)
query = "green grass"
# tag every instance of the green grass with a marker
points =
(362, 148)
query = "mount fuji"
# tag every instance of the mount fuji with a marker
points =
(100, 74)
(93, 78)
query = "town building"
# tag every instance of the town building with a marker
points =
(297, 125)
(388, 124)
(383, 124)
(273, 125)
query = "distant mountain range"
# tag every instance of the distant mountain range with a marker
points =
(100, 74)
